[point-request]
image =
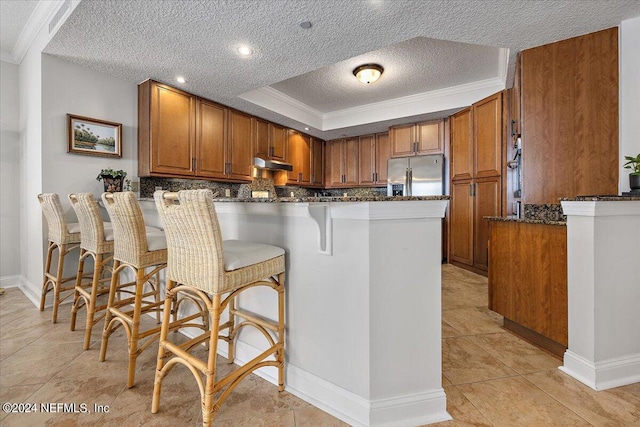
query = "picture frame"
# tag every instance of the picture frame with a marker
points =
(93, 137)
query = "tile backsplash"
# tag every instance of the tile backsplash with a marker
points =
(148, 186)
(545, 212)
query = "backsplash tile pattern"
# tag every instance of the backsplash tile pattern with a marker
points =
(148, 186)
(544, 212)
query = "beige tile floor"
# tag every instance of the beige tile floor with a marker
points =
(491, 377)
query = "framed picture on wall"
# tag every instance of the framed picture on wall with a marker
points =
(94, 137)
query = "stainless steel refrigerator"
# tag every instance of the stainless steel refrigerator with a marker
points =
(415, 176)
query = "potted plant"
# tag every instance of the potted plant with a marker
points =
(633, 163)
(113, 180)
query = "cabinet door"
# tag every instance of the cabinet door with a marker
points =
(461, 236)
(462, 145)
(300, 157)
(487, 203)
(402, 140)
(487, 136)
(350, 159)
(173, 130)
(317, 160)
(333, 165)
(367, 163)
(262, 148)
(383, 154)
(240, 148)
(430, 136)
(211, 140)
(278, 141)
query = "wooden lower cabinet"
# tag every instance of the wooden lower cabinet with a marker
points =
(528, 281)
(471, 202)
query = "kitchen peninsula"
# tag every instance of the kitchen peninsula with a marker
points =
(362, 304)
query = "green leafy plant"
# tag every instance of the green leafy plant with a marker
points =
(633, 163)
(111, 173)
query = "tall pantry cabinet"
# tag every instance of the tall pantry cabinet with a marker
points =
(476, 180)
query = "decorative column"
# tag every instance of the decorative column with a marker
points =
(603, 244)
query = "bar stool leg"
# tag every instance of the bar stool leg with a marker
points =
(108, 314)
(281, 338)
(46, 280)
(135, 326)
(231, 351)
(56, 287)
(166, 319)
(76, 295)
(208, 410)
(93, 296)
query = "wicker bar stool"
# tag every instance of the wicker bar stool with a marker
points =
(143, 252)
(64, 237)
(96, 241)
(201, 264)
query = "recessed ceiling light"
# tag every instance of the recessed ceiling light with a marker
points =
(306, 25)
(306, 128)
(180, 79)
(245, 50)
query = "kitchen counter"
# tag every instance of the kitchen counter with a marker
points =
(602, 199)
(363, 293)
(525, 220)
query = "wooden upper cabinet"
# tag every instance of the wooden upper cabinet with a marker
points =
(263, 139)
(430, 137)
(240, 147)
(317, 161)
(299, 150)
(462, 145)
(342, 166)
(167, 130)
(417, 139)
(402, 140)
(374, 151)
(383, 154)
(350, 166)
(270, 140)
(278, 142)
(211, 139)
(333, 165)
(367, 153)
(487, 136)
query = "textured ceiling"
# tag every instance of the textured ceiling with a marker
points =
(140, 39)
(13, 17)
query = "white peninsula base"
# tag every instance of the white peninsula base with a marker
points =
(603, 248)
(363, 304)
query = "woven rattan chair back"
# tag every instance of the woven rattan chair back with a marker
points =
(92, 235)
(56, 220)
(189, 224)
(130, 238)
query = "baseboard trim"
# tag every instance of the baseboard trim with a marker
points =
(355, 410)
(604, 374)
(31, 291)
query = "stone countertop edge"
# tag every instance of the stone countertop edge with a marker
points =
(524, 221)
(601, 199)
(325, 199)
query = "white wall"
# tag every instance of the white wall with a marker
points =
(68, 88)
(9, 174)
(629, 95)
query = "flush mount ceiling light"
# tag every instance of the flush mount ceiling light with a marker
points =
(368, 73)
(245, 50)
(180, 79)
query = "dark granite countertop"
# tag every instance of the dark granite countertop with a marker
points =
(524, 220)
(332, 199)
(624, 198)
(323, 199)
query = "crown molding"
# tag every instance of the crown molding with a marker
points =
(503, 64)
(42, 14)
(411, 105)
(7, 57)
(274, 100)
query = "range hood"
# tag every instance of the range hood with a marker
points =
(273, 165)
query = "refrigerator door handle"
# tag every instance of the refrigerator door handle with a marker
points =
(410, 182)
